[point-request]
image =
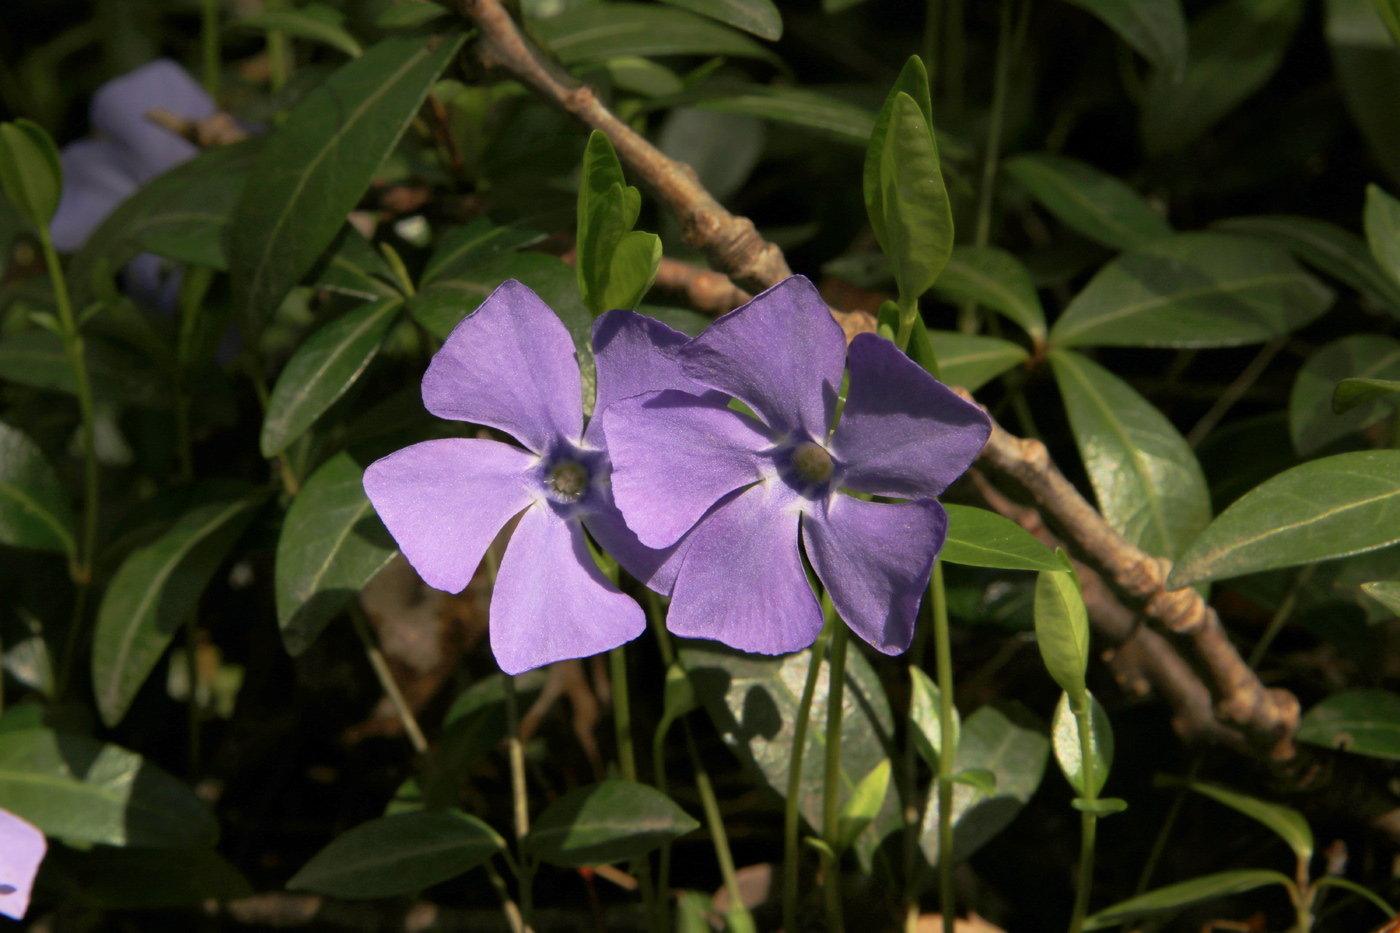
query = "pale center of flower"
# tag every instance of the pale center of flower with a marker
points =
(811, 462)
(567, 480)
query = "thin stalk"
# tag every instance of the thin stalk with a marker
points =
(908, 313)
(661, 905)
(386, 678)
(933, 18)
(1281, 615)
(738, 914)
(791, 814)
(831, 785)
(913, 816)
(947, 752)
(508, 906)
(1088, 822)
(525, 872)
(209, 33)
(278, 52)
(622, 713)
(954, 58)
(1235, 391)
(192, 679)
(1159, 845)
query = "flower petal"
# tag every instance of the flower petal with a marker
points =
(510, 364)
(875, 560)
(781, 354)
(653, 568)
(22, 848)
(903, 433)
(637, 354)
(674, 455)
(445, 500)
(551, 600)
(119, 111)
(742, 582)
(154, 282)
(95, 180)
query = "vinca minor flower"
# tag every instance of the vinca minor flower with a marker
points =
(742, 490)
(511, 365)
(22, 848)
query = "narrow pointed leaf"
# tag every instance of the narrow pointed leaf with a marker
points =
(830, 116)
(997, 279)
(971, 361)
(1288, 823)
(1313, 419)
(354, 267)
(864, 804)
(1155, 28)
(606, 822)
(759, 17)
(35, 511)
(595, 32)
(634, 265)
(1177, 896)
(1387, 593)
(1354, 392)
(1383, 230)
(1062, 629)
(472, 245)
(1069, 750)
(310, 22)
(979, 538)
(913, 81)
(917, 213)
(1088, 200)
(30, 172)
(924, 699)
(37, 358)
(1363, 722)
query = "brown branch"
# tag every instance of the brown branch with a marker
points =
(705, 289)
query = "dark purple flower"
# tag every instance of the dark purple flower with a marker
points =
(735, 490)
(22, 848)
(511, 365)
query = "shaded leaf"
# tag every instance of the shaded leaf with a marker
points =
(315, 21)
(1383, 230)
(35, 511)
(1069, 749)
(1285, 821)
(1363, 722)
(759, 17)
(970, 360)
(606, 822)
(1385, 592)
(1155, 28)
(131, 878)
(1366, 63)
(354, 267)
(831, 116)
(924, 699)
(478, 241)
(1088, 200)
(1353, 392)
(37, 358)
(1062, 629)
(1176, 896)
(608, 30)
(30, 172)
(1313, 422)
(913, 81)
(997, 279)
(980, 538)
(474, 725)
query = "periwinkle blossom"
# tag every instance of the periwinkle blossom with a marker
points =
(511, 365)
(22, 848)
(739, 491)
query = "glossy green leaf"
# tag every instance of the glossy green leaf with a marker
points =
(37, 358)
(153, 592)
(913, 81)
(1383, 230)
(1354, 392)
(1324, 246)
(606, 822)
(924, 701)
(1155, 28)
(830, 116)
(1176, 896)
(315, 22)
(1069, 750)
(331, 545)
(607, 209)
(1319, 510)
(84, 791)
(30, 172)
(863, 805)
(980, 538)
(1385, 592)
(1363, 722)
(1193, 290)
(971, 361)
(321, 370)
(1062, 629)
(759, 17)
(1147, 480)
(35, 511)
(1313, 421)
(1366, 65)
(1288, 823)
(997, 279)
(634, 265)
(1088, 200)
(1236, 46)
(473, 244)
(400, 854)
(917, 213)
(352, 266)
(593, 32)
(132, 878)
(315, 166)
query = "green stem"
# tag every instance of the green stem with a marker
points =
(192, 678)
(525, 873)
(738, 915)
(508, 906)
(1088, 822)
(386, 677)
(1281, 615)
(913, 815)
(791, 813)
(947, 751)
(209, 32)
(908, 313)
(278, 52)
(831, 800)
(622, 713)
(661, 905)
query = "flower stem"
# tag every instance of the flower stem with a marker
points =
(192, 683)
(622, 713)
(209, 32)
(386, 678)
(913, 815)
(525, 873)
(947, 751)
(1088, 822)
(738, 916)
(831, 800)
(278, 51)
(791, 813)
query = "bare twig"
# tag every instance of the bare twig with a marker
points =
(705, 289)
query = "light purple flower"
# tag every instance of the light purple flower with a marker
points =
(511, 365)
(22, 848)
(738, 493)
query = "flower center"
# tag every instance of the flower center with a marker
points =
(811, 462)
(568, 480)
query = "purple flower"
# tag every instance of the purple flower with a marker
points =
(22, 848)
(511, 365)
(738, 492)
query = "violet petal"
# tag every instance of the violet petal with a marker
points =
(903, 433)
(510, 364)
(22, 848)
(95, 180)
(656, 569)
(119, 111)
(445, 500)
(635, 354)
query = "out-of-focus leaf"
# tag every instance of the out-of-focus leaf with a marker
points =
(593, 32)
(85, 791)
(924, 699)
(1176, 896)
(1354, 392)
(863, 804)
(131, 878)
(1366, 63)
(153, 592)
(1383, 230)
(723, 148)
(473, 244)
(759, 17)
(1236, 46)
(473, 726)
(354, 267)
(606, 822)
(1088, 200)
(1062, 629)
(839, 119)
(1285, 821)
(643, 76)
(1313, 423)
(1363, 722)
(331, 545)
(34, 507)
(37, 358)
(997, 279)
(1069, 750)
(315, 22)
(1385, 592)
(1155, 28)
(979, 538)
(970, 360)
(315, 166)
(30, 172)
(407, 14)
(1148, 482)
(1316, 511)
(322, 369)
(1389, 11)
(400, 854)
(1193, 290)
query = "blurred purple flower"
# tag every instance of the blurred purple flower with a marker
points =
(739, 492)
(22, 848)
(511, 365)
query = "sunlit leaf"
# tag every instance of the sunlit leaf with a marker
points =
(1069, 747)
(971, 360)
(1062, 629)
(924, 699)
(606, 822)
(979, 538)
(997, 279)
(1288, 823)
(1176, 896)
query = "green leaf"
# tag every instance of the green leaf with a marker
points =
(30, 173)
(408, 14)
(400, 854)
(1319, 510)
(917, 213)
(913, 81)
(131, 878)
(316, 165)
(606, 822)
(759, 17)
(643, 77)
(1062, 629)
(593, 32)
(979, 538)
(1090, 201)
(1069, 751)
(1363, 722)
(1285, 821)
(1313, 421)
(472, 245)
(1146, 477)
(37, 358)
(972, 361)
(924, 699)
(85, 791)
(1386, 593)
(1176, 896)
(1385, 906)
(331, 545)
(1383, 230)
(1155, 28)
(1236, 46)
(1389, 11)
(34, 507)
(997, 279)
(1193, 290)
(322, 369)
(153, 592)
(634, 265)
(833, 117)
(1099, 806)
(979, 779)
(1355, 392)
(863, 805)
(474, 725)
(680, 698)
(1366, 65)
(352, 266)
(315, 21)
(1324, 246)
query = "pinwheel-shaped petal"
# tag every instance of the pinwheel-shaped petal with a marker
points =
(22, 848)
